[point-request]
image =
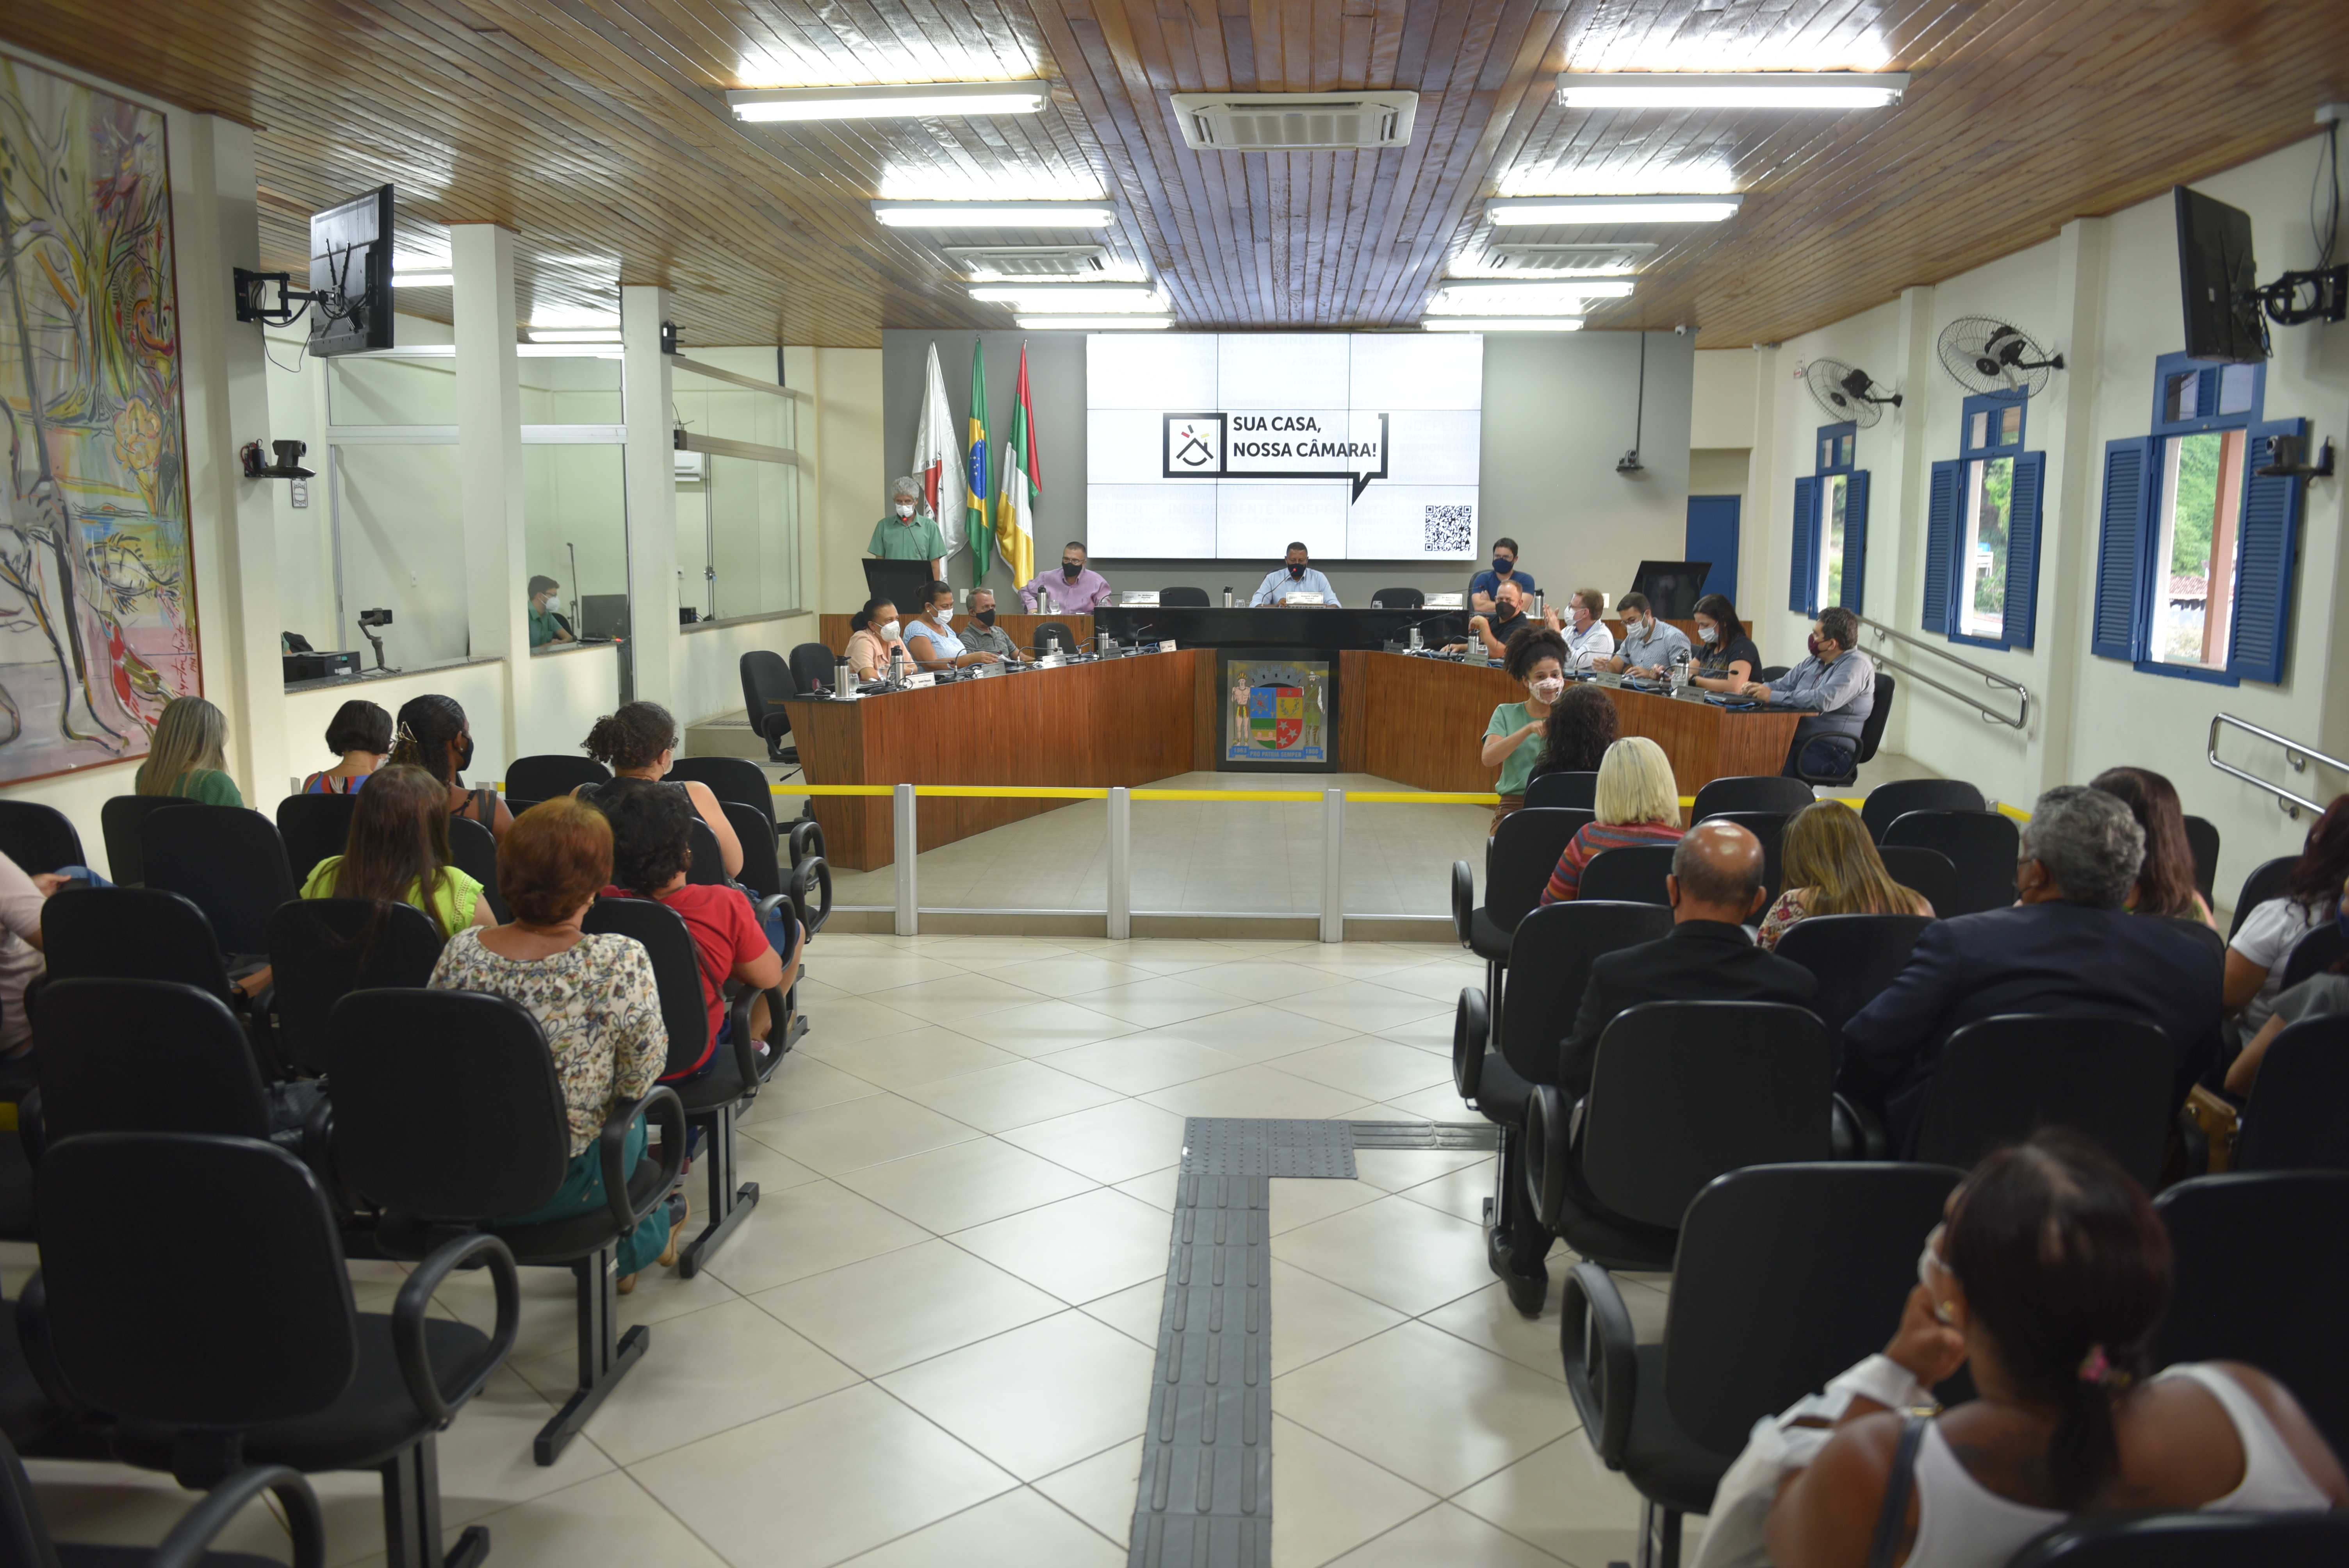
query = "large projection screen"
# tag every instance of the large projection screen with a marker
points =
(1206, 447)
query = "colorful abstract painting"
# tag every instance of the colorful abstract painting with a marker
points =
(97, 610)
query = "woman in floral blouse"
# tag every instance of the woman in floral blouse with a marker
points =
(593, 996)
(1831, 867)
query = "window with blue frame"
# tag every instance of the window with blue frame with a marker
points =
(1983, 518)
(2194, 546)
(1830, 564)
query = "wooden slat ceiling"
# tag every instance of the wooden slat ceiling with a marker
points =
(596, 130)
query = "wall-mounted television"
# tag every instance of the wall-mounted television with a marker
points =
(350, 275)
(2218, 281)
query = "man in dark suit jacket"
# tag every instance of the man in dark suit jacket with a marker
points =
(2065, 947)
(1714, 888)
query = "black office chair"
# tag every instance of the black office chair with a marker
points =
(549, 774)
(2202, 838)
(2192, 1541)
(1398, 599)
(1681, 1092)
(1550, 956)
(1770, 828)
(322, 949)
(38, 838)
(1187, 598)
(2294, 1120)
(446, 1114)
(131, 933)
(1575, 791)
(2314, 954)
(123, 821)
(1838, 1244)
(733, 779)
(2110, 1078)
(1923, 870)
(25, 1534)
(1049, 632)
(1632, 873)
(814, 667)
(805, 838)
(1751, 792)
(2266, 882)
(767, 682)
(2223, 1231)
(473, 850)
(1523, 852)
(255, 1357)
(1982, 846)
(1772, 672)
(1849, 751)
(142, 1055)
(228, 862)
(766, 882)
(1854, 957)
(708, 867)
(809, 887)
(1887, 803)
(713, 1100)
(314, 827)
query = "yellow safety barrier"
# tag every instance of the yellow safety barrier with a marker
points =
(1410, 798)
(2017, 812)
(1292, 795)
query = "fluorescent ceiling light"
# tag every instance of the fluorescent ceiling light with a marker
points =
(1493, 291)
(1098, 323)
(1611, 209)
(995, 214)
(579, 335)
(890, 102)
(1074, 296)
(1501, 324)
(566, 351)
(1705, 89)
(427, 280)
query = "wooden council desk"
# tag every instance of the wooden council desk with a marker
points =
(1133, 721)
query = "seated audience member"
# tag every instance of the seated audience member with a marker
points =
(1513, 734)
(639, 741)
(1648, 645)
(2044, 1282)
(398, 848)
(1830, 866)
(188, 756)
(872, 633)
(22, 898)
(432, 734)
(593, 996)
(2274, 928)
(1504, 570)
(651, 848)
(361, 731)
(1587, 640)
(2319, 996)
(1575, 737)
(931, 642)
(1727, 658)
(980, 634)
(1637, 802)
(2165, 884)
(1834, 688)
(1715, 886)
(2064, 946)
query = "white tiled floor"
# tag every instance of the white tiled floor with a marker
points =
(932, 1342)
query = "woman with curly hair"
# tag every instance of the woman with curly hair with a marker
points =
(1513, 736)
(1580, 727)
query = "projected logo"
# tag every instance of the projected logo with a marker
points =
(1237, 444)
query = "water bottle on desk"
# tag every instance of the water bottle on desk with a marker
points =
(1679, 670)
(897, 665)
(1227, 598)
(843, 679)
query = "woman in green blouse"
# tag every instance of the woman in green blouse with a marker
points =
(188, 756)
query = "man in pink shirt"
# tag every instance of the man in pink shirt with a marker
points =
(1071, 591)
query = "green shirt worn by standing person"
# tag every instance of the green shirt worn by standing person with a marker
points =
(206, 786)
(1517, 768)
(913, 539)
(454, 901)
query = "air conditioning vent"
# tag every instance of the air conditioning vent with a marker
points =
(1573, 261)
(988, 264)
(1291, 123)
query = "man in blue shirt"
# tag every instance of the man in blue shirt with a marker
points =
(1835, 688)
(1504, 570)
(1297, 577)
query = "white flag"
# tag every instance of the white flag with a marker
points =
(939, 460)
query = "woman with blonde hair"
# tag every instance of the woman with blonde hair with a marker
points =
(188, 756)
(1831, 867)
(1638, 801)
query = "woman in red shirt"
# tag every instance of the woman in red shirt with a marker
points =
(1637, 802)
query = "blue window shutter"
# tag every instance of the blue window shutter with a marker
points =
(1807, 532)
(1940, 542)
(2120, 547)
(1855, 540)
(2268, 539)
(2022, 549)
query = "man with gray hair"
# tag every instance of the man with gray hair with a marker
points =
(909, 533)
(2065, 946)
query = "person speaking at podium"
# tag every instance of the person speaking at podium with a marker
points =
(1297, 577)
(1073, 590)
(980, 634)
(906, 534)
(930, 641)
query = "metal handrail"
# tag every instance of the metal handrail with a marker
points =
(2020, 721)
(2294, 753)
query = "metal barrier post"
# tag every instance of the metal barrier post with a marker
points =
(1119, 902)
(1333, 865)
(909, 915)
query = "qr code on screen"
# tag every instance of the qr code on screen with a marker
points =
(1451, 530)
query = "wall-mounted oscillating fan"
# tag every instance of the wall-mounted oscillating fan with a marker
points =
(1846, 393)
(1987, 357)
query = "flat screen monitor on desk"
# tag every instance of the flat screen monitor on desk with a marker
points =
(1672, 587)
(603, 616)
(905, 584)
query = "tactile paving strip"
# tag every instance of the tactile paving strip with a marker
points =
(1258, 1146)
(1425, 1134)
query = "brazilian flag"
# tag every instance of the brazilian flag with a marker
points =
(977, 526)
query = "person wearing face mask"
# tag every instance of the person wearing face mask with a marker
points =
(1296, 576)
(980, 634)
(873, 632)
(1504, 570)
(545, 626)
(1074, 590)
(1727, 656)
(1648, 645)
(1495, 626)
(1833, 689)
(1587, 640)
(930, 641)
(431, 733)
(908, 533)
(1514, 735)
